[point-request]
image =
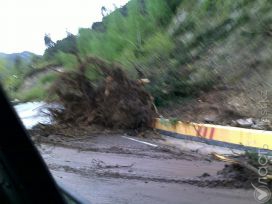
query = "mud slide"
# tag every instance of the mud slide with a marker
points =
(113, 101)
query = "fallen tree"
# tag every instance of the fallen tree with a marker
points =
(115, 101)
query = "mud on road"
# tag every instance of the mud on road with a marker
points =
(113, 168)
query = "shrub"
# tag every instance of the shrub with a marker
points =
(49, 78)
(69, 61)
(36, 93)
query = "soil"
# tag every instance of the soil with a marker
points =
(221, 106)
(240, 177)
(114, 101)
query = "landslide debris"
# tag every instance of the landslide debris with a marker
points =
(241, 171)
(115, 101)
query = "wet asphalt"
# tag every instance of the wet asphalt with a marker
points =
(114, 169)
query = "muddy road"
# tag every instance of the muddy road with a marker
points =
(119, 169)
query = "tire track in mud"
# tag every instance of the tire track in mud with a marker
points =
(113, 157)
(161, 152)
(104, 172)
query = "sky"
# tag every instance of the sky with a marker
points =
(23, 23)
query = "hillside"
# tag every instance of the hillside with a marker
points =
(207, 61)
(13, 68)
(11, 58)
(234, 47)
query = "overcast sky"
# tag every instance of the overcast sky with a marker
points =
(24, 22)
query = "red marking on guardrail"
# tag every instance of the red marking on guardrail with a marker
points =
(212, 133)
(205, 132)
(198, 131)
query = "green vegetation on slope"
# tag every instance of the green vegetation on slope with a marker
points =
(12, 70)
(183, 47)
(168, 41)
(16, 68)
(134, 35)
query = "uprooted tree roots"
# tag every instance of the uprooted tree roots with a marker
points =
(115, 102)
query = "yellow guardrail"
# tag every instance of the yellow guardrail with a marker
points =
(216, 134)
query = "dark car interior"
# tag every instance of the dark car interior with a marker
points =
(24, 177)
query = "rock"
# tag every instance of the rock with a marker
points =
(205, 175)
(210, 118)
(245, 122)
(257, 127)
(261, 124)
(233, 123)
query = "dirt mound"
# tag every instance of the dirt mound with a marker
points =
(244, 170)
(115, 102)
(239, 176)
(221, 106)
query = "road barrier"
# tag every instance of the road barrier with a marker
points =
(233, 137)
